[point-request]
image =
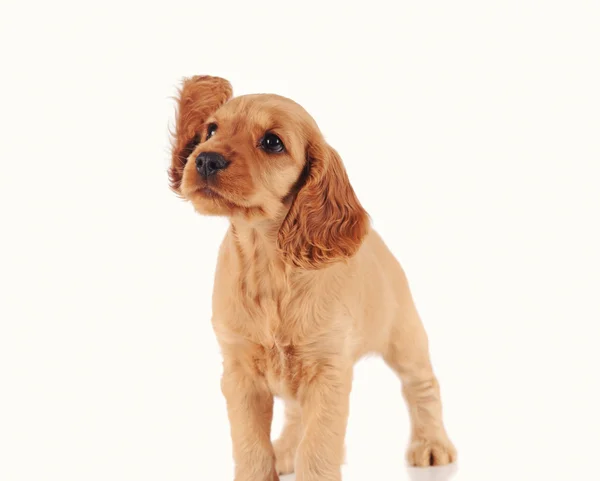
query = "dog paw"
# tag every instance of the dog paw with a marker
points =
(430, 452)
(284, 459)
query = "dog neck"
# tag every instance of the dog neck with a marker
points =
(256, 241)
(261, 272)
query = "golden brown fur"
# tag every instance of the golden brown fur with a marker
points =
(304, 287)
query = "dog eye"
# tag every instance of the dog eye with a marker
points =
(212, 128)
(272, 143)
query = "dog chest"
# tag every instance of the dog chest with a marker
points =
(281, 367)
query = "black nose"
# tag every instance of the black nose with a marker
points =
(209, 163)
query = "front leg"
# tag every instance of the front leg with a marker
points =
(250, 410)
(324, 402)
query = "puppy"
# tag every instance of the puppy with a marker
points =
(303, 288)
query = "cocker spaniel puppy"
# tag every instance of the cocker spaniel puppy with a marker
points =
(304, 286)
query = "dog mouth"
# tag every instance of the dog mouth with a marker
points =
(207, 198)
(206, 190)
(209, 193)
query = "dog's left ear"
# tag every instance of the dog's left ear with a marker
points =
(199, 98)
(326, 222)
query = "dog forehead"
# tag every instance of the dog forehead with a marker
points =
(264, 110)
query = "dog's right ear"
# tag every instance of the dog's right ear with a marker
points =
(199, 98)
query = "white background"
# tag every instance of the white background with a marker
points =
(470, 131)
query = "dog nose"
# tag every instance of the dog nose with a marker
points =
(209, 163)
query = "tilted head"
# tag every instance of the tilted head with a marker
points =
(262, 157)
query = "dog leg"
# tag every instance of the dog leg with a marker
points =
(285, 447)
(250, 410)
(324, 416)
(408, 356)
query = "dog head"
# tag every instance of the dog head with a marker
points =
(262, 157)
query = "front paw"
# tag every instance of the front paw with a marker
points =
(430, 452)
(254, 472)
(273, 476)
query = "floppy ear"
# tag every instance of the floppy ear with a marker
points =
(199, 97)
(326, 222)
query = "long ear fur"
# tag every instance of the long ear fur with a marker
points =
(199, 97)
(326, 222)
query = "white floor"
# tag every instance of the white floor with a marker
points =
(427, 474)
